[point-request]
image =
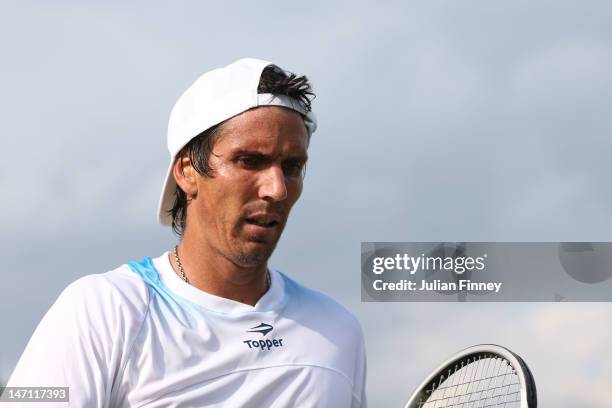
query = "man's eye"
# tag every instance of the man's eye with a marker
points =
(293, 169)
(250, 161)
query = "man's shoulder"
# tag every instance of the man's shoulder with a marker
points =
(90, 328)
(321, 307)
(120, 289)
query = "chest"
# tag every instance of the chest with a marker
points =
(182, 356)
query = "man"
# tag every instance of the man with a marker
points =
(208, 323)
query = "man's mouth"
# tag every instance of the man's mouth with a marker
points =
(263, 221)
(266, 224)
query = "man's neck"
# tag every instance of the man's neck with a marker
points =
(211, 272)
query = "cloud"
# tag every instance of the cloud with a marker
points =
(570, 76)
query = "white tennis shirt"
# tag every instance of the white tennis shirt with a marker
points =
(139, 336)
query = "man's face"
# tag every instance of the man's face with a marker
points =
(257, 161)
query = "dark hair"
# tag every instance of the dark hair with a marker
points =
(273, 80)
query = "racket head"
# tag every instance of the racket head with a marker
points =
(486, 375)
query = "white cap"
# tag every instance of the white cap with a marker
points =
(216, 96)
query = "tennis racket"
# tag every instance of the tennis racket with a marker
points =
(481, 376)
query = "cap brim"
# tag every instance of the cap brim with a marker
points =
(166, 200)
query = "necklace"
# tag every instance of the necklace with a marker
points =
(180, 265)
(184, 277)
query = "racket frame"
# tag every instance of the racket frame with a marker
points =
(528, 393)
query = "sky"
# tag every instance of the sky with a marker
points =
(438, 121)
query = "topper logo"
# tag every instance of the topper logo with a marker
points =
(263, 329)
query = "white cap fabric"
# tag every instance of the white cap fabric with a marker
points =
(216, 96)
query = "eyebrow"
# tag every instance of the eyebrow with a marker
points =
(246, 152)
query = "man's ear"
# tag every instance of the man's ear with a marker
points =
(185, 176)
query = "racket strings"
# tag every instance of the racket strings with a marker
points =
(478, 381)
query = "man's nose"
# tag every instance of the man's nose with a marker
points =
(273, 187)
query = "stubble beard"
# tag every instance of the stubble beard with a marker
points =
(245, 256)
(252, 259)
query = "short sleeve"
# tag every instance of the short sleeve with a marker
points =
(81, 342)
